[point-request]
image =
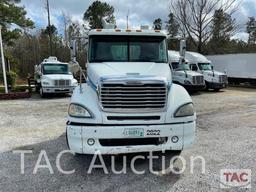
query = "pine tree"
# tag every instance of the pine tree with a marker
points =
(223, 27)
(96, 12)
(10, 14)
(251, 29)
(157, 24)
(172, 25)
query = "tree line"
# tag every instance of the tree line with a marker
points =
(207, 25)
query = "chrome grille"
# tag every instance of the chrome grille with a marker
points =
(141, 97)
(223, 78)
(198, 80)
(62, 82)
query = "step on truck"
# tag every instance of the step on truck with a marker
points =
(53, 76)
(192, 81)
(213, 79)
(129, 103)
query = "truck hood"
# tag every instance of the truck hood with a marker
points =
(98, 70)
(189, 73)
(215, 72)
(53, 77)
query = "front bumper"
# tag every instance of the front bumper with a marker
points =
(78, 135)
(213, 85)
(58, 89)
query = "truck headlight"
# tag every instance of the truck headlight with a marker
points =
(76, 110)
(185, 110)
(45, 83)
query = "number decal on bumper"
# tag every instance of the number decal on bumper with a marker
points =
(153, 132)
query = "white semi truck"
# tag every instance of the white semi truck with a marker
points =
(213, 79)
(182, 74)
(53, 76)
(240, 68)
(129, 103)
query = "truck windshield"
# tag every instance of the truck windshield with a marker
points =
(205, 66)
(184, 67)
(55, 69)
(128, 49)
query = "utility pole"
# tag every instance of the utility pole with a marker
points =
(49, 25)
(3, 63)
(127, 20)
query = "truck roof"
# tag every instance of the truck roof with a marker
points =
(174, 56)
(196, 57)
(133, 32)
(52, 60)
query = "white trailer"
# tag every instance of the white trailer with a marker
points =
(213, 79)
(129, 103)
(181, 73)
(53, 76)
(239, 68)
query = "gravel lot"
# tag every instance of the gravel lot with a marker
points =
(226, 132)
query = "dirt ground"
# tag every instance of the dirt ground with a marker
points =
(225, 138)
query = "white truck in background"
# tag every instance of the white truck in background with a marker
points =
(213, 79)
(53, 76)
(182, 74)
(240, 68)
(129, 103)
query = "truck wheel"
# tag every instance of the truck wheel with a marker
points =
(42, 94)
(216, 90)
(169, 157)
(37, 87)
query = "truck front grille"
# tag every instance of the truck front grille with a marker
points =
(198, 80)
(223, 78)
(62, 82)
(142, 97)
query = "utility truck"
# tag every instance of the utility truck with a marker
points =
(240, 68)
(53, 76)
(182, 74)
(129, 103)
(213, 79)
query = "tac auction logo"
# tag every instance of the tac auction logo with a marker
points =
(235, 178)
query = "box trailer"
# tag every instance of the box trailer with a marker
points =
(239, 68)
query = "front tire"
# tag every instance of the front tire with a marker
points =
(42, 94)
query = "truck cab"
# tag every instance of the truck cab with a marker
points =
(213, 79)
(129, 103)
(53, 76)
(192, 81)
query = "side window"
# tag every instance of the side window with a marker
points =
(193, 67)
(175, 65)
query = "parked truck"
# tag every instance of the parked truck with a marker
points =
(182, 74)
(129, 103)
(240, 68)
(213, 79)
(53, 76)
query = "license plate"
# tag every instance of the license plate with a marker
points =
(134, 132)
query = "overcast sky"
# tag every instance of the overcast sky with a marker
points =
(140, 11)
